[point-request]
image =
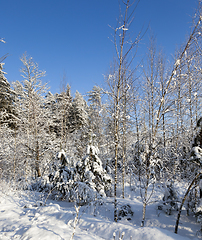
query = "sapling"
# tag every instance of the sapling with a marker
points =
(75, 220)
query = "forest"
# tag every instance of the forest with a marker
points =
(142, 129)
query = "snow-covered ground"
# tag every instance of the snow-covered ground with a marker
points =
(23, 215)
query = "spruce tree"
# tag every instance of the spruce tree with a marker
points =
(91, 170)
(77, 123)
(6, 99)
(78, 115)
(62, 111)
(96, 108)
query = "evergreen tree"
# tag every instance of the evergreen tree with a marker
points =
(92, 173)
(78, 115)
(6, 100)
(77, 123)
(62, 111)
(62, 179)
(95, 113)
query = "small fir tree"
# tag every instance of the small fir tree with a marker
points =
(92, 172)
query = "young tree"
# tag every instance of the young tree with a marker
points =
(164, 100)
(92, 172)
(125, 53)
(78, 116)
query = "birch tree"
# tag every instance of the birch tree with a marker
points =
(190, 45)
(125, 48)
(30, 104)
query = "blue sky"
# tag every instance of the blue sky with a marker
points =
(71, 37)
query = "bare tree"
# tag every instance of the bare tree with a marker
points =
(163, 103)
(125, 54)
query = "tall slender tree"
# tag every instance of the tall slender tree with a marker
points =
(125, 48)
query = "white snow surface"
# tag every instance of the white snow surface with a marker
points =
(24, 215)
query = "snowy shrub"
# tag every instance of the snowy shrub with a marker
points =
(40, 185)
(65, 187)
(125, 212)
(170, 199)
(82, 194)
(196, 154)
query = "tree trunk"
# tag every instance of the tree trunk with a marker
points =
(184, 198)
(37, 160)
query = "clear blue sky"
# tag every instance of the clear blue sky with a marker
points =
(71, 37)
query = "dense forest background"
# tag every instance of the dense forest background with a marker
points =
(145, 123)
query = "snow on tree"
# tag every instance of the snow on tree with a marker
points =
(62, 111)
(96, 124)
(34, 120)
(62, 178)
(77, 123)
(196, 151)
(8, 122)
(6, 99)
(66, 182)
(78, 115)
(92, 172)
(50, 108)
(9, 144)
(196, 156)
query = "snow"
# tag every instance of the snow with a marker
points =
(61, 153)
(22, 218)
(95, 150)
(197, 151)
(177, 62)
(24, 215)
(2, 40)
